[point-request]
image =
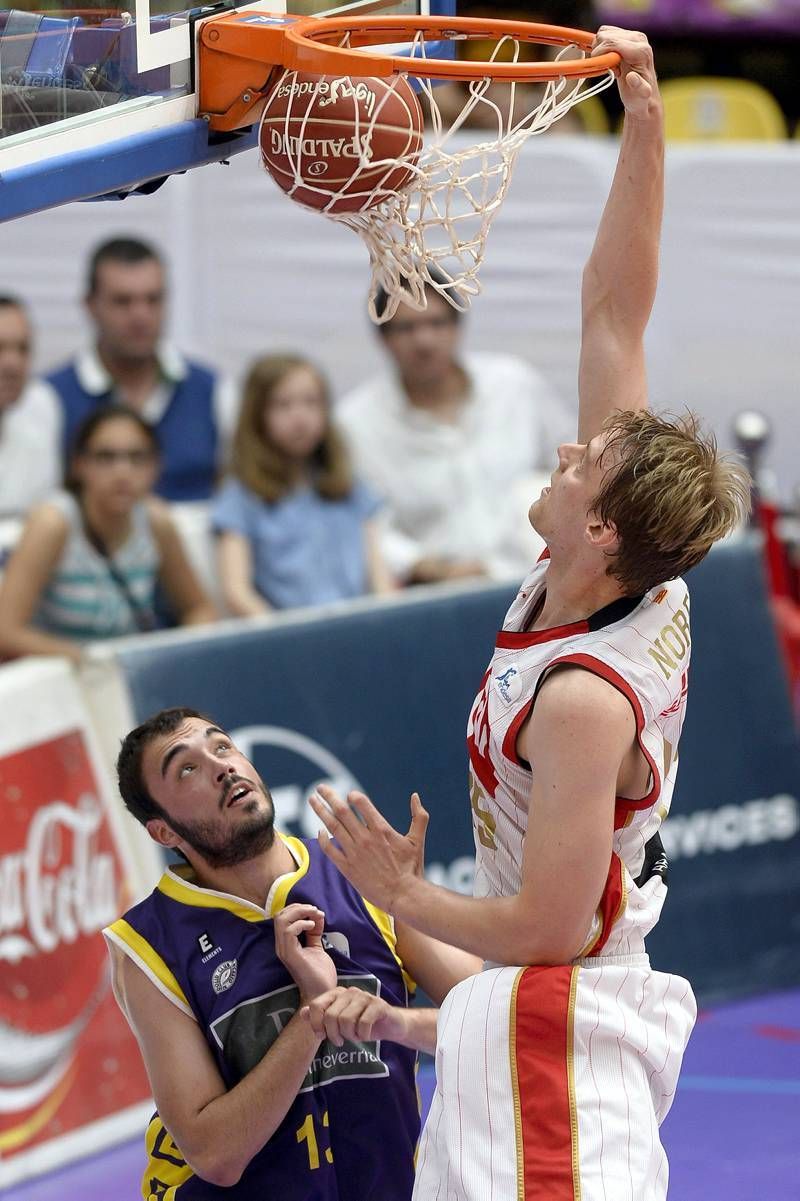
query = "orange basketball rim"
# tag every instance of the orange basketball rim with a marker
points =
(237, 53)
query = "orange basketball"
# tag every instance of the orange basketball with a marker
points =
(331, 141)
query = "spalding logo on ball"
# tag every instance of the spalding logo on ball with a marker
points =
(332, 142)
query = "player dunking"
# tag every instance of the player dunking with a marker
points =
(552, 1079)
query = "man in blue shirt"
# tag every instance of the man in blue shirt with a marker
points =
(191, 408)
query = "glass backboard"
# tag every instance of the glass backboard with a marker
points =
(97, 97)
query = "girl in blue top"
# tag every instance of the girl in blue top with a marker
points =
(294, 526)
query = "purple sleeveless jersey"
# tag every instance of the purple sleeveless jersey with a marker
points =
(351, 1132)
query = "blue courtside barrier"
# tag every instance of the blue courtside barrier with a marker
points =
(380, 696)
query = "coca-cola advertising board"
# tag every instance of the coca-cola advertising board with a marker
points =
(70, 1070)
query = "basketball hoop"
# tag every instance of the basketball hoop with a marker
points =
(432, 230)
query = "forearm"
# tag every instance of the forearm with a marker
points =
(230, 1129)
(494, 928)
(621, 275)
(380, 579)
(26, 640)
(200, 614)
(244, 601)
(435, 570)
(421, 1030)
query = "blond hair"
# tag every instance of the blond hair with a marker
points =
(669, 495)
(258, 463)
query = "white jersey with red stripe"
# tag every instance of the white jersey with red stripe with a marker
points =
(552, 1082)
(642, 648)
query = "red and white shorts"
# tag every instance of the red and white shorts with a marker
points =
(551, 1083)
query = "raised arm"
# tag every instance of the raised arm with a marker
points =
(620, 277)
(567, 844)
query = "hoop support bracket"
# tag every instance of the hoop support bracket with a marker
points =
(236, 55)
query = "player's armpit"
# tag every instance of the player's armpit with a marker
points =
(578, 736)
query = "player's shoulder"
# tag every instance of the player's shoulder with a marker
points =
(572, 695)
(661, 605)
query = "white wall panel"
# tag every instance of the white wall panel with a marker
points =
(251, 272)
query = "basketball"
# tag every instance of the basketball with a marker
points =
(331, 142)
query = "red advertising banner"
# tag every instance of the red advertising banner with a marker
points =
(67, 1057)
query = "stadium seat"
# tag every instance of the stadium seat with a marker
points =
(592, 116)
(709, 109)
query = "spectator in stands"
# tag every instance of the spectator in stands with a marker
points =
(190, 407)
(451, 441)
(87, 564)
(30, 418)
(295, 526)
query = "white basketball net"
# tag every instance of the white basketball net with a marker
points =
(433, 232)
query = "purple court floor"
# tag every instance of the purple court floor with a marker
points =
(733, 1133)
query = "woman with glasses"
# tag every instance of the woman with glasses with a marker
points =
(90, 558)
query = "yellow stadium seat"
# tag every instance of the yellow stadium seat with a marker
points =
(713, 110)
(592, 116)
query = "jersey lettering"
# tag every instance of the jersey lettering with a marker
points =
(485, 824)
(478, 739)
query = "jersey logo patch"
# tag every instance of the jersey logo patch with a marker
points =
(509, 684)
(333, 940)
(207, 947)
(245, 1033)
(224, 976)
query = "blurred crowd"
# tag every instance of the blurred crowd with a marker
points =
(140, 489)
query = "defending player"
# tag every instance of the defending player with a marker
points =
(212, 968)
(552, 1079)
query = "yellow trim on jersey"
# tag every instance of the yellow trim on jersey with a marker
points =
(158, 1168)
(385, 924)
(573, 1108)
(512, 1048)
(175, 885)
(172, 885)
(419, 1109)
(148, 958)
(299, 852)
